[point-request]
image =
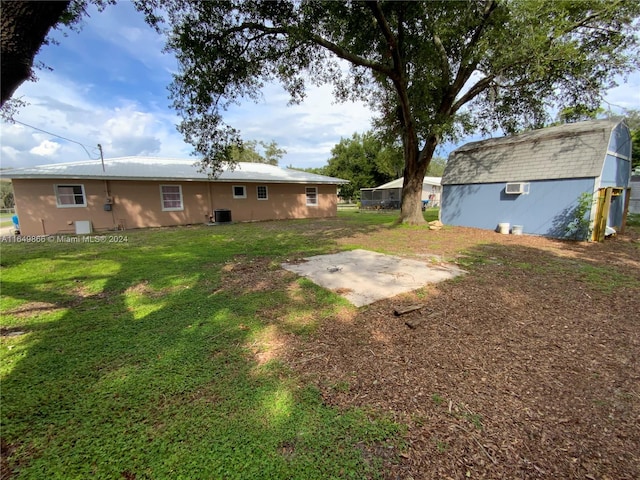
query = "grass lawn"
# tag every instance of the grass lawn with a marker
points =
(141, 359)
(5, 219)
(633, 220)
(189, 353)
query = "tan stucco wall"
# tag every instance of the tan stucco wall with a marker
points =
(137, 204)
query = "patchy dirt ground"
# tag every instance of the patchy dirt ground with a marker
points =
(528, 367)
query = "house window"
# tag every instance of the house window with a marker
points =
(171, 196)
(239, 191)
(312, 196)
(70, 196)
(262, 192)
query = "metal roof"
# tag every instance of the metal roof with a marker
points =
(575, 150)
(398, 182)
(163, 169)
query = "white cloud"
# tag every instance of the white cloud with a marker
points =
(307, 131)
(130, 132)
(47, 148)
(71, 110)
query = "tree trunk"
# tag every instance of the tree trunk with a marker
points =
(24, 26)
(416, 164)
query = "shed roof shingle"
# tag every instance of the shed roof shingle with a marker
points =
(574, 150)
(165, 169)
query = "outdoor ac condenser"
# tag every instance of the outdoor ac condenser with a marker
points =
(517, 188)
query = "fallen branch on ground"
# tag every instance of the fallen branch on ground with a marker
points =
(401, 311)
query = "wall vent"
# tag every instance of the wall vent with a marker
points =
(517, 188)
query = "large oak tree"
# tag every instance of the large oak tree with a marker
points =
(24, 27)
(432, 70)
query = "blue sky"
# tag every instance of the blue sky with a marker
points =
(109, 86)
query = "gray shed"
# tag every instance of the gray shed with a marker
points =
(568, 181)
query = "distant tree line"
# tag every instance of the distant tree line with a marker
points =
(367, 161)
(254, 151)
(6, 195)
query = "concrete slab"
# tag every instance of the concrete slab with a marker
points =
(6, 231)
(364, 277)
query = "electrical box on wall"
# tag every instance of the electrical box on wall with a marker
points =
(107, 207)
(83, 227)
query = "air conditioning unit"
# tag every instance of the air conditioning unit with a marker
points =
(517, 188)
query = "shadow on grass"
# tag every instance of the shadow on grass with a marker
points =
(136, 363)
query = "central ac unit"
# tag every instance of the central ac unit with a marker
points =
(517, 188)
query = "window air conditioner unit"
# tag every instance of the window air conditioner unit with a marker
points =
(517, 188)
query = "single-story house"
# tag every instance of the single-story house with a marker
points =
(138, 192)
(568, 181)
(389, 195)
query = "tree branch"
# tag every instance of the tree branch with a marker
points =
(313, 38)
(472, 93)
(466, 71)
(444, 59)
(467, 66)
(590, 17)
(388, 34)
(398, 73)
(346, 55)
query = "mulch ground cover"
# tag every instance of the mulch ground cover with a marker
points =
(526, 367)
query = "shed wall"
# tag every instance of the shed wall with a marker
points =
(616, 172)
(620, 141)
(634, 203)
(137, 204)
(615, 211)
(546, 210)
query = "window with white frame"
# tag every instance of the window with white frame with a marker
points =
(239, 191)
(262, 192)
(171, 197)
(70, 196)
(312, 196)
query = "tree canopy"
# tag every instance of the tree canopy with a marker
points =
(365, 161)
(6, 195)
(248, 152)
(24, 29)
(432, 70)
(436, 167)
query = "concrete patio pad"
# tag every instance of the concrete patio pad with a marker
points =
(364, 277)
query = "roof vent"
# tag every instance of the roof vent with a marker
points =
(517, 188)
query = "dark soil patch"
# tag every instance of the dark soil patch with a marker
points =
(247, 275)
(528, 367)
